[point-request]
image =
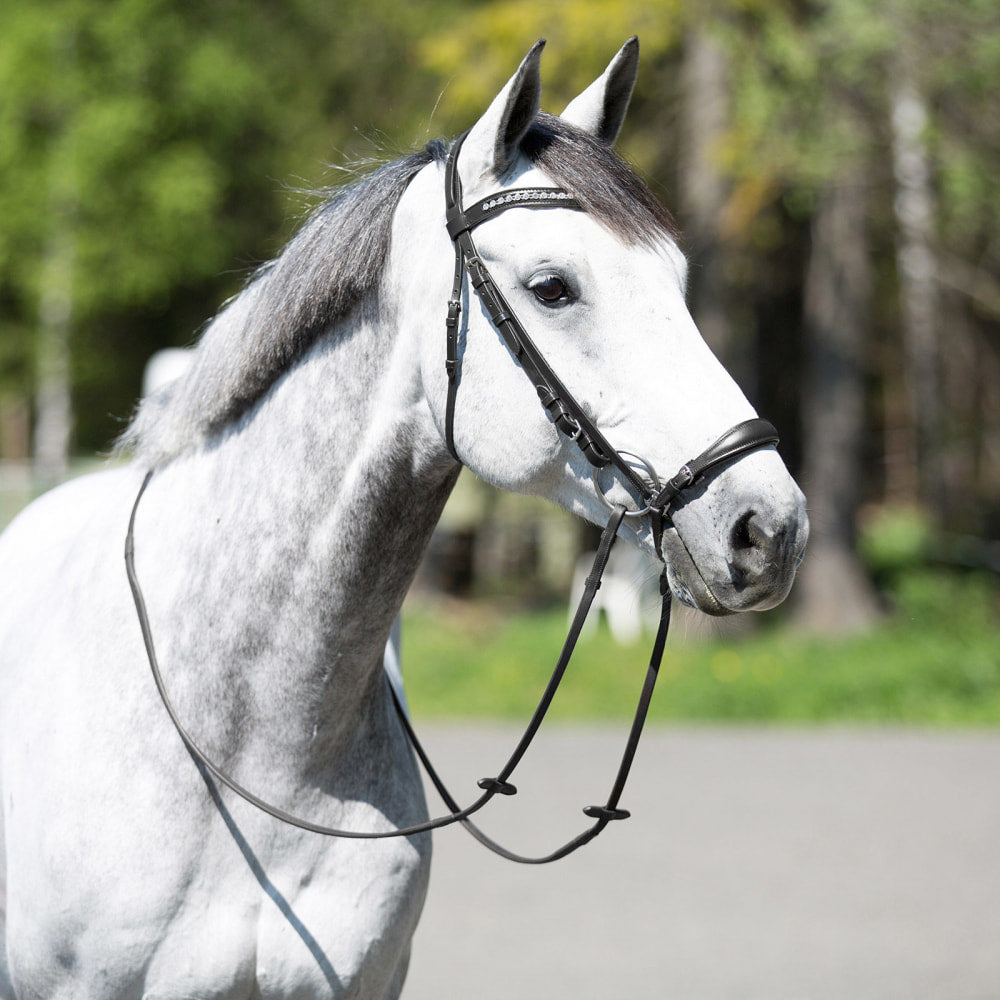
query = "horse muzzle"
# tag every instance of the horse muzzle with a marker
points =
(750, 567)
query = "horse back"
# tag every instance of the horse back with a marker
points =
(56, 550)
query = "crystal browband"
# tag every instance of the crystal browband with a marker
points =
(460, 221)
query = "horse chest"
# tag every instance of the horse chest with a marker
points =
(315, 923)
(318, 924)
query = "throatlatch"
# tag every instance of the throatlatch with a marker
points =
(655, 500)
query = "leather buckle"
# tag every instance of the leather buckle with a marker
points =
(684, 477)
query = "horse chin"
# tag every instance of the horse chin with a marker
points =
(685, 579)
(689, 585)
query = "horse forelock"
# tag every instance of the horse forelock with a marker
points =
(334, 265)
(600, 180)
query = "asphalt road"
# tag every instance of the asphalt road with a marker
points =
(758, 864)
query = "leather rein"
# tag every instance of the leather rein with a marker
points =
(573, 421)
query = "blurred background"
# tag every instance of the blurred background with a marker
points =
(833, 166)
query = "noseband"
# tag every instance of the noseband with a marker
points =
(573, 421)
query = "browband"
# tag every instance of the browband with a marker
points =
(489, 208)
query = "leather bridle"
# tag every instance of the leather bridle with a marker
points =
(569, 416)
(572, 420)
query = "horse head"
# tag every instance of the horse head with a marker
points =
(602, 293)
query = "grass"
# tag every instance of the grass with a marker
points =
(936, 662)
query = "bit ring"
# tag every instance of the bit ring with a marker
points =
(638, 461)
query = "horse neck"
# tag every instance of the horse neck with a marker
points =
(293, 539)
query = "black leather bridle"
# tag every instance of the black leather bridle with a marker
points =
(573, 421)
(569, 416)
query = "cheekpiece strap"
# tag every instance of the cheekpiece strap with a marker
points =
(568, 415)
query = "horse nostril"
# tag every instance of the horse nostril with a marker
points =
(753, 541)
(745, 532)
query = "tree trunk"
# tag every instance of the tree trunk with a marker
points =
(917, 275)
(704, 193)
(833, 591)
(53, 401)
(53, 406)
(15, 427)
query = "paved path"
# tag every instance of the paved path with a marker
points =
(759, 864)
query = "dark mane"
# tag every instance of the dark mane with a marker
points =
(331, 267)
(334, 265)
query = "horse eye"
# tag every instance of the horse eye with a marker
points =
(550, 289)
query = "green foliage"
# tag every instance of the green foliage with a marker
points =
(156, 141)
(582, 36)
(160, 146)
(937, 662)
(949, 602)
(893, 539)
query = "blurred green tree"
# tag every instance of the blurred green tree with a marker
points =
(152, 150)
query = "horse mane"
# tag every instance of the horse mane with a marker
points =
(328, 269)
(333, 266)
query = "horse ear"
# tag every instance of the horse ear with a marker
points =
(493, 143)
(600, 109)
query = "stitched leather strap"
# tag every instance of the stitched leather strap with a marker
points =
(459, 222)
(567, 413)
(745, 437)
